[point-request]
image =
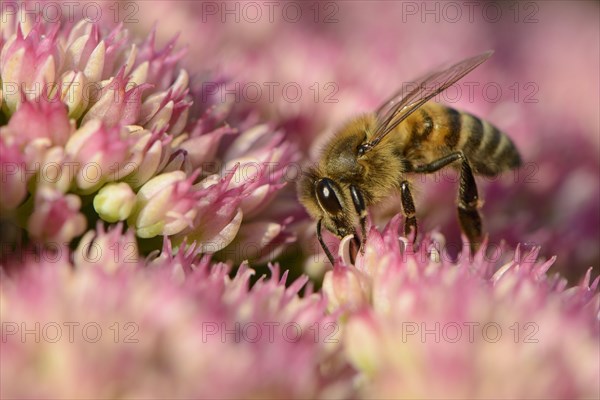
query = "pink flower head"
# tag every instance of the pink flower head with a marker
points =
(421, 325)
(28, 62)
(260, 241)
(161, 63)
(165, 205)
(109, 250)
(39, 120)
(168, 109)
(113, 111)
(100, 152)
(218, 217)
(56, 217)
(117, 102)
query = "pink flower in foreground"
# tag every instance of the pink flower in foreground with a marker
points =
(109, 326)
(422, 326)
(402, 324)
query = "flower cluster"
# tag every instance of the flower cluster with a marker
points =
(100, 128)
(174, 325)
(420, 326)
(401, 323)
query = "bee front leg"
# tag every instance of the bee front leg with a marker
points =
(361, 210)
(408, 209)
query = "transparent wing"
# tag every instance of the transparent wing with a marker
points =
(413, 95)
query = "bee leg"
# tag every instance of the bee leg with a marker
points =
(408, 208)
(437, 164)
(361, 210)
(323, 245)
(468, 198)
(468, 204)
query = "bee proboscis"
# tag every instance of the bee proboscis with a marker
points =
(372, 155)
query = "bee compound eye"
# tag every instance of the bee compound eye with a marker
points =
(327, 197)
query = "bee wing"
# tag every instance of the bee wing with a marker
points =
(413, 95)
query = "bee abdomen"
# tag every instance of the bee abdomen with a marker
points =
(436, 130)
(488, 150)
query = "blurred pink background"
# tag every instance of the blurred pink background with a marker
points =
(309, 66)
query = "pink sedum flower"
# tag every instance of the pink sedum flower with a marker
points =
(109, 250)
(346, 287)
(219, 217)
(116, 103)
(86, 107)
(164, 205)
(56, 217)
(178, 327)
(98, 152)
(41, 121)
(27, 62)
(422, 326)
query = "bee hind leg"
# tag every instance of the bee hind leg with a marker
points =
(468, 204)
(468, 198)
(408, 209)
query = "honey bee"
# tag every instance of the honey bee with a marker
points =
(372, 156)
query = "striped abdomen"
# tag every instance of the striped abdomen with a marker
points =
(434, 131)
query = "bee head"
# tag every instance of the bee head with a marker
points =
(325, 200)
